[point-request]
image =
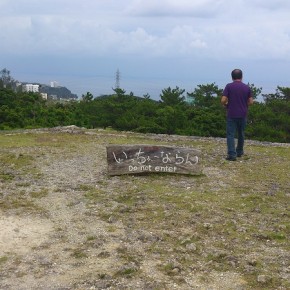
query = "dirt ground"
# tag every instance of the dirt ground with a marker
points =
(66, 224)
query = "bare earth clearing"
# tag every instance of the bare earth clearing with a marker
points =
(65, 224)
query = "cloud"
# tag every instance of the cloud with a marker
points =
(55, 34)
(182, 40)
(172, 8)
(270, 4)
(212, 29)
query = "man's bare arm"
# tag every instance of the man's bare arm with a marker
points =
(224, 100)
(250, 101)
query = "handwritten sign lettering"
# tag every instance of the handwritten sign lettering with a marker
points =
(132, 159)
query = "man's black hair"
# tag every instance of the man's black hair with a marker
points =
(237, 74)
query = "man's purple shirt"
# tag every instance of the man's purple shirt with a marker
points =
(238, 95)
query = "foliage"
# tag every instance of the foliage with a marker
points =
(6, 80)
(282, 93)
(201, 115)
(205, 95)
(255, 91)
(270, 121)
(172, 97)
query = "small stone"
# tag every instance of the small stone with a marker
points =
(262, 279)
(191, 247)
(175, 271)
(185, 241)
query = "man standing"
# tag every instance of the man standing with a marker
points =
(236, 98)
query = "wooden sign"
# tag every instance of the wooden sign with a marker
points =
(133, 159)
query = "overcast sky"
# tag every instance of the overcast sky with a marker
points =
(154, 44)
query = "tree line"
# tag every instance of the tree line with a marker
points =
(196, 113)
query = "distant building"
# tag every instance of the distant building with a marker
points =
(53, 97)
(30, 88)
(54, 84)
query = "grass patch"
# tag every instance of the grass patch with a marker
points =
(16, 140)
(15, 161)
(19, 203)
(39, 194)
(79, 254)
(127, 272)
(91, 238)
(85, 187)
(94, 195)
(6, 176)
(14, 166)
(3, 260)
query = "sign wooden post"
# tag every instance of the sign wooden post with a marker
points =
(133, 159)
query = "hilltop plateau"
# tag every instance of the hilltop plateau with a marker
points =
(66, 224)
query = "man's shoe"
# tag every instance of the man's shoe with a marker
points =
(240, 155)
(230, 158)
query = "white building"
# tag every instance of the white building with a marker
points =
(30, 88)
(44, 96)
(54, 84)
